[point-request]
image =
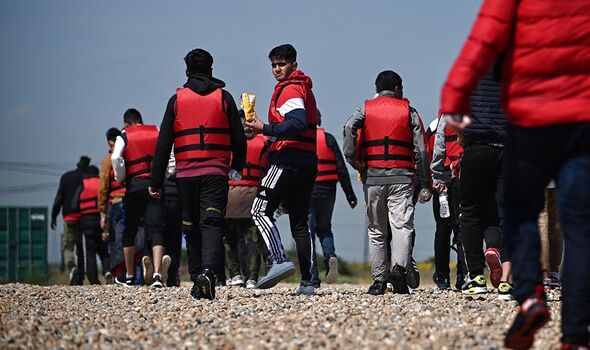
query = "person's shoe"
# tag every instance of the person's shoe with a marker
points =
(398, 279)
(196, 291)
(148, 270)
(492, 256)
(460, 280)
(108, 277)
(206, 284)
(533, 315)
(505, 291)
(412, 275)
(569, 346)
(236, 281)
(332, 270)
(377, 288)
(277, 273)
(166, 261)
(158, 281)
(125, 281)
(554, 281)
(251, 284)
(73, 276)
(305, 288)
(316, 283)
(476, 285)
(389, 287)
(442, 281)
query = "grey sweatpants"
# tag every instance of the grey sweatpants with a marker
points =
(389, 205)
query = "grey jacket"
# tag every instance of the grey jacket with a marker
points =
(439, 154)
(377, 176)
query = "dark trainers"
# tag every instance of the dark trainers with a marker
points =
(442, 281)
(158, 281)
(492, 256)
(412, 275)
(460, 280)
(397, 278)
(125, 281)
(533, 315)
(206, 284)
(476, 285)
(377, 288)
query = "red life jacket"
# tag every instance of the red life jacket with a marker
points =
(256, 163)
(387, 139)
(306, 141)
(453, 151)
(89, 196)
(115, 188)
(327, 170)
(139, 150)
(201, 128)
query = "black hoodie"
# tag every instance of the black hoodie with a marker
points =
(201, 84)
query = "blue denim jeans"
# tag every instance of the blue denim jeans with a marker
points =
(320, 225)
(533, 157)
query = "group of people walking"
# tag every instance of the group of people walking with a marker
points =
(217, 178)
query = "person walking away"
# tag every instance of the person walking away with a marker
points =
(545, 94)
(551, 239)
(202, 123)
(331, 170)
(392, 151)
(132, 160)
(172, 232)
(446, 153)
(242, 236)
(72, 236)
(86, 201)
(110, 206)
(292, 122)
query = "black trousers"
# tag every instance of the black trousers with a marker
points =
(203, 200)
(444, 228)
(291, 185)
(480, 186)
(139, 205)
(173, 237)
(94, 246)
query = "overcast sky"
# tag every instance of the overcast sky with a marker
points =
(70, 69)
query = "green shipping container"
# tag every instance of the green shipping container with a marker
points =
(23, 244)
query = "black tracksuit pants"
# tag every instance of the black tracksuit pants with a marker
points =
(291, 184)
(173, 236)
(480, 186)
(203, 200)
(138, 205)
(93, 246)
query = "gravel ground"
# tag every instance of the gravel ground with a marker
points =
(339, 317)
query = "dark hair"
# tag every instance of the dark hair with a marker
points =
(387, 80)
(112, 134)
(83, 162)
(199, 61)
(92, 170)
(283, 52)
(132, 116)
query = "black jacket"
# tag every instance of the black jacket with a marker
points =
(68, 185)
(488, 120)
(200, 84)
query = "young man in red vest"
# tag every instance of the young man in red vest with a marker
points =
(393, 153)
(86, 200)
(331, 170)
(545, 84)
(292, 118)
(132, 161)
(202, 123)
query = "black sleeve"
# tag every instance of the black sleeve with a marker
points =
(164, 145)
(238, 138)
(76, 199)
(343, 176)
(58, 201)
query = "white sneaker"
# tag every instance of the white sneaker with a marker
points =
(305, 288)
(333, 270)
(389, 287)
(250, 284)
(236, 281)
(166, 261)
(148, 270)
(277, 273)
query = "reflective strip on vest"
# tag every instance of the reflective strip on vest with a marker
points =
(387, 136)
(89, 196)
(201, 128)
(139, 150)
(327, 170)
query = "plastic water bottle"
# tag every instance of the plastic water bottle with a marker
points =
(445, 211)
(235, 175)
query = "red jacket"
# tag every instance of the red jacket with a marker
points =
(546, 72)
